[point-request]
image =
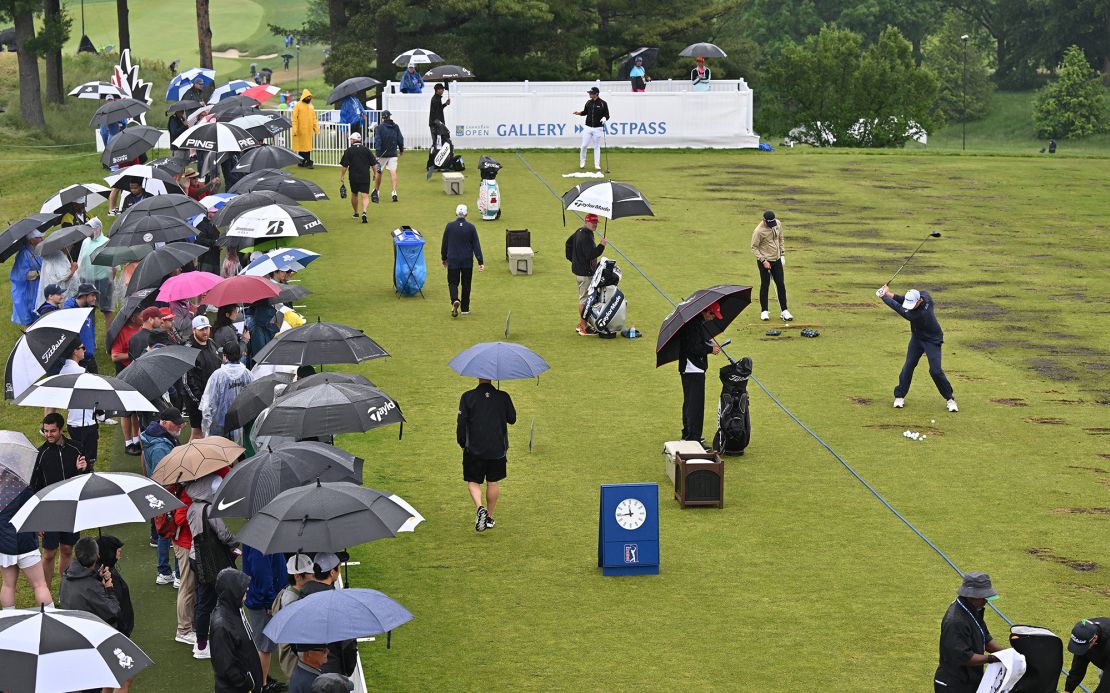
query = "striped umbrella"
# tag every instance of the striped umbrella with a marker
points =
(84, 391)
(182, 82)
(97, 90)
(416, 56)
(232, 88)
(215, 137)
(97, 499)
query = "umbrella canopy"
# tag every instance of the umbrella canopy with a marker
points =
(97, 90)
(416, 56)
(84, 391)
(129, 144)
(17, 455)
(240, 289)
(63, 238)
(290, 293)
(92, 194)
(275, 221)
(499, 361)
(263, 125)
(107, 256)
(335, 615)
(228, 90)
(608, 199)
(323, 517)
(327, 377)
(147, 173)
(153, 269)
(253, 399)
(9, 240)
(647, 55)
(731, 298)
(97, 499)
(262, 92)
(266, 156)
(294, 188)
(246, 202)
(147, 230)
(57, 650)
(186, 105)
(117, 110)
(131, 305)
(214, 202)
(352, 86)
(448, 72)
(319, 343)
(257, 481)
(702, 50)
(187, 284)
(329, 409)
(280, 259)
(154, 372)
(43, 346)
(173, 165)
(215, 137)
(182, 82)
(195, 459)
(172, 205)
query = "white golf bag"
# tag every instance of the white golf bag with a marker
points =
(606, 309)
(489, 192)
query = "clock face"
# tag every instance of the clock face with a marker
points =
(630, 514)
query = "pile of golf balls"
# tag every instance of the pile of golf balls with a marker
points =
(913, 435)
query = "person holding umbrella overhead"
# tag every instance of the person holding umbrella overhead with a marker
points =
(305, 126)
(638, 76)
(694, 348)
(482, 432)
(700, 75)
(411, 81)
(597, 114)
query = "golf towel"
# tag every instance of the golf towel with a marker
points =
(1003, 675)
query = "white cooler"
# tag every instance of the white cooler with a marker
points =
(672, 448)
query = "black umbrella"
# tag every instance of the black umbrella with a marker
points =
(9, 240)
(266, 156)
(255, 482)
(153, 269)
(185, 105)
(155, 371)
(63, 238)
(117, 110)
(173, 165)
(648, 55)
(246, 202)
(109, 256)
(293, 188)
(263, 125)
(320, 378)
(330, 409)
(173, 205)
(608, 199)
(147, 230)
(319, 342)
(702, 50)
(290, 293)
(323, 517)
(44, 345)
(231, 103)
(448, 72)
(352, 86)
(234, 112)
(254, 398)
(129, 144)
(131, 305)
(731, 298)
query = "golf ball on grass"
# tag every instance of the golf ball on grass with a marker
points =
(932, 421)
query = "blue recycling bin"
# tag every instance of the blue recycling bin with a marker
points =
(409, 269)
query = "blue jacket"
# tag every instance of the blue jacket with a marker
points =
(411, 83)
(351, 112)
(11, 542)
(267, 574)
(923, 322)
(110, 130)
(460, 245)
(88, 330)
(157, 443)
(388, 140)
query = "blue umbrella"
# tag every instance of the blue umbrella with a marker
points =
(499, 361)
(181, 83)
(280, 259)
(226, 91)
(335, 615)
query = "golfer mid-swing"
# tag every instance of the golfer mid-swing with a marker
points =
(926, 337)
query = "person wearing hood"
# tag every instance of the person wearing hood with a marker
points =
(221, 390)
(25, 281)
(411, 81)
(88, 586)
(156, 441)
(203, 491)
(58, 268)
(97, 275)
(235, 662)
(305, 126)
(389, 146)
(111, 550)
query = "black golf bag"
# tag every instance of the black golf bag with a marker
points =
(606, 310)
(734, 423)
(1044, 658)
(441, 155)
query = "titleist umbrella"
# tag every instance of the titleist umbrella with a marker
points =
(97, 499)
(319, 343)
(330, 409)
(155, 371)
(731, 300)
(43, 346)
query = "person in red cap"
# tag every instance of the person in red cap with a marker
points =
(583, 255)
(700, 76)
(694, 347)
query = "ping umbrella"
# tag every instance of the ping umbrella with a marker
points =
(608, 199)
(499, 361)
(702, 50)
(171, 205)
(275, 221)
(96, 90)
(182, 82)
(58, 650)
(448, 72)
(148, 230)
(131, 305)
(240, 289)
(63, 238)
(195, 459)
(335, 615)
(266, 156)
(117, 110)
(416, 56)
(246, 202)
(153, 269)
(731, 299)
(323, 517)
(294, 188)
(215, 137)
(263, 125)
(280, 259)
(319, 343)
(329, 409)
(228, 90)
(41, 347)
(129, 144)
(96, 499)
(352, 86)
(253, 399)
(155, 371)
(9, 240)
(255, 482)
(17, 455)
(187, 284)
(91, 194)
(84, 391)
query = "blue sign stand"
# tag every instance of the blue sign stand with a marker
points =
(628, 529)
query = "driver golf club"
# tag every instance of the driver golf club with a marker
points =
(933, 234)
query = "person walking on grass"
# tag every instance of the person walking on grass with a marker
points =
(485, 413)
(770, 257)
(597, 114)
(389, 146)
(58, 459)
(583, 255)
(305, 127)
(359, 163)
(1089, 644)
(966, 644)
(926, 338)
(458, 249)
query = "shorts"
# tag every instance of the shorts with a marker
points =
(23, 560)
(583, 288)
(195, 418)
(388, 163)
(257, 619)
(476, 470)
(360, 186)
(51, 540)
(103, 294)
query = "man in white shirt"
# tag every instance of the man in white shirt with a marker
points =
(84, 430)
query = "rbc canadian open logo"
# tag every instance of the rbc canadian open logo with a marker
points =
(631, 553)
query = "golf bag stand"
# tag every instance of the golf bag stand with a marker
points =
(1044, 658)
(734, 423)
(606, 309)
(489, 193)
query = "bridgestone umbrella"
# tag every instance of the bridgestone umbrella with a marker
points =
(17, 455)
(131, 305)
(275, 221)
(257, 481)
(154, 372)
(117, 110)
(448, 72)
(324, 517)
(319, 343)
(352, 86)
(731, 298)
(702, 50)
(266, 156)
(246, 202)
(91, 194)
(153, 269)
(63, 238)
(56, 650)
(97, 499)
(335, 615)
(96, 90)
(608, 199)
(195, 459)
(254, 398)
(187, 285)
(416, 56)
(216, 137)
(9, 240)
(330, 409)
(240, 289)
(84, 391)
(173, 205)
(499, 361)
(294, 188)
(263, 125)
(129, 144)
(43, 346)
(182, 106)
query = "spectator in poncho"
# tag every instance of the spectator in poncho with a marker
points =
(221, 390)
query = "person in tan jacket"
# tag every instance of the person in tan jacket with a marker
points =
(304, 127)
(770, 256)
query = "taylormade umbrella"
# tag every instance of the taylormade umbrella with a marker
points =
(129, 144)
(275, 221)
(326, 377)
(97, 499)
(330, 409)
(608, 199)
(96, 90)
(63, 238)
(229, 89)
(131, 305)
(266, 156)
(92, 194)
(280, 259)
(731, 299)
(319, 343)
(448, 72)
(187, 284)
(702, 50)
(17, 454)
(254, 398)
(352, 86)
(499, 361)
(172, 205)
(240, 289)
(154, 372)
(195, 459)
(9, 240)
(335, 615)
(153, 269)
(117, 110)
(215, 137)
(84, 391)
(294, 188)
(44, 345)
(416, 56)
(246, 202)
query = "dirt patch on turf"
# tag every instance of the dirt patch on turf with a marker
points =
(860, 401)
(979, 310)
(1067, 401)
(1013, 402)
(901, 427)
(842, 306)
(1099, 431)
(1096, 470)
(1083, 511)
(1052, 369)
(1046, 420)
(965, 377)
(1047, 554)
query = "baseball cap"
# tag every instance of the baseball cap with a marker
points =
(332, 683)
(460, 211)
(173, 415)
(591, 219)
(326, 562)
(200, 322)
(715, 309)
(52, 290)
(95, 223)
(593, 90)
(299, 564)
(769, 217)
(356, 136)
(85, 290)
(35, 234)
(911, 299)
(166, 311)
(639, 59)
(1080, 641)
(151, 312)
(387, 114)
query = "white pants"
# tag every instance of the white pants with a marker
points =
(591, 136)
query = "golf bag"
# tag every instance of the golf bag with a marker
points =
(1044, 658)
(606, 310)
(489, 192)
(734, 423)
(442, 156)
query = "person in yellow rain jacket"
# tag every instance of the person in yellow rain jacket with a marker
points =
(304, 127)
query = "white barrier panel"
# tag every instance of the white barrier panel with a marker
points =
(502, 115)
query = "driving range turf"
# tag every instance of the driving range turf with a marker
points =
(804, 580)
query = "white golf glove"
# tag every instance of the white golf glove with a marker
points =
(879, 292)
(782, 260)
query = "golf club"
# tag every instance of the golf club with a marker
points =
(605, 145)
(933, 234)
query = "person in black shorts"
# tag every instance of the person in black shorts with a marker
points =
(58, 459)
(359, 162)
(482, 432)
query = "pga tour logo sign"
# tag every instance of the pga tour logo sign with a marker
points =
(631, 553)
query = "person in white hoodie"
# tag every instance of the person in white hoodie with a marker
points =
(221, 390)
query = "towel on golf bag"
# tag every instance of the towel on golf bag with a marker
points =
(1001, 676)
(734, 423)
(1044, 658)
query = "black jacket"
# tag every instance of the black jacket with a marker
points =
(435, 112)
(460, 245)
(595, 111)
(484, 416)
(208, 236)
(82, 590)
(125, 622)
(963, 632)
(56, 463)
(583, 260)
(234, 660)
(1099, 655)
(343, 655)
(693, 346)
(923, 321)
(208, 362)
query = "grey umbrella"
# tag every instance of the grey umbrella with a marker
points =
(448, 72)
(117, 110)
(702, 50)
(184, 105)
(131, 305)
(63, 238)
(349, 87)
(153, 269)
(294, 188)
(146, 230)
(129, 144)
(253, 399)
(266, 156)
(290, 293)
(499, 361)
(9, 240)
(108, 256)
(173, 165)
(154, 372)
(334, 615)
(320, 378)
(246, 202)
(263, 125)
(318, 343)
(329, 409)
(173, 205)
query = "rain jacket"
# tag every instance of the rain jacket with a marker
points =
(267, 574)
(485, 413)
(304, 124)
(585, 253)
(263, 325)
(460, 245)
(220, 391)
(25, 292)
(767, 243)
(156, 442)
(234, 660)
(82, 590)
(86, 270)
(125, 622)
(411, 82)
(351, 112)
(202, 493)
(923, 321)
(388, 140)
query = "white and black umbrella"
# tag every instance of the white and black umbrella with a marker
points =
(63, 238)
(354, 85)
(416, 56)
(229, 89)
(298, 189)
(17, 455)
(117, 110)
(92, 194)
(447, 72)
(215, 137)
(44, 345)
(702, 50)
(47, 650)
(263, 125)
(180, 207)
(84, 391)
(131, 305)
(319, 343)
(97, 90)
(266, 156)
(129, 144)
(97, 499)
(154, 372)
(147, 230)
(148, 174)
(330, 409)
(246, 202)
(275, 221)
(608, 199)
(10, 239)
(153, 269)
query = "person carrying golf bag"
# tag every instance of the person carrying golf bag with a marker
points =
(926, 338)
(734, 423)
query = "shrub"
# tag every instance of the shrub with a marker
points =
(1072, 106)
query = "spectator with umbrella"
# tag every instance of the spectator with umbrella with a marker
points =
(224, 331)
(86, 297)
(97, 275)
(219, 541)
(701, 75)
(343, 654)
(305, 127)
(111, 551)
(196, 91)
(120, 351)
(58, 459)
(58, 268)
(311, 659)
(263, 323)
(87, 586)
(84, 430)
(158, 440)
(196, 189)
(481, 431)
(411, 81)
(638, 76)
(24, 277)
(222, 388)
(235, 661)
(135, 193)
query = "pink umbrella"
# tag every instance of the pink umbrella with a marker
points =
(187, 285)
(241, 289)
(262, 92)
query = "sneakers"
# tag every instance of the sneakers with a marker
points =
(355, 215)
(582, 330)
(582, 164)
(465, 312)
(374, 197)
(490, 524)
(765, 315)
(364, 219)
(480, 520)
(274, 686)
(109, 422)
(394, 196)
(177, 582)
(133, 450)
(198, 653)
(952, 405)
(189, 638)
(899, 402)
(455, 309)
(163, 579)
(785, 315)
(597, 167)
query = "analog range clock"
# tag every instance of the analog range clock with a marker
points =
(628, 529)
(630, 513)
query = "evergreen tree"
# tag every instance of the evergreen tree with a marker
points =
(1072, 106)
(944, 55)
